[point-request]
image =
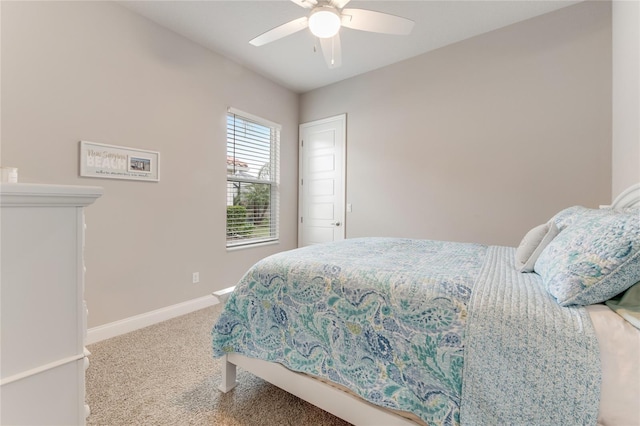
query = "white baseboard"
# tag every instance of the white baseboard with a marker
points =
(116, 328)
(223, 295)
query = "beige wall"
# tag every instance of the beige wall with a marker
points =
(95, 71)
(626, 94)
(484, 139)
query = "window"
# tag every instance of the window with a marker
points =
(252, 179)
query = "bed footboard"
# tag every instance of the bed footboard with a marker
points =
(322, 395)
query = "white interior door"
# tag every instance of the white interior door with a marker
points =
(322, 181)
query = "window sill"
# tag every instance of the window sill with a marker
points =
(255, 245)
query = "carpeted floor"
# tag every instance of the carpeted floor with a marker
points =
(165, 375)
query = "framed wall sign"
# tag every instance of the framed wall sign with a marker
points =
(118, 162)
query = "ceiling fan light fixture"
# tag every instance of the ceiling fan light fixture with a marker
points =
(324, 22)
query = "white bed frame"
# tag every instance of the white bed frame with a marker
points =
(327, 397)
(322, 395)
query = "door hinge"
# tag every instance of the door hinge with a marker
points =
(301, 219)
(301, 181)
(302, 143)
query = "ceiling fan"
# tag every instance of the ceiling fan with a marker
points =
(325, 20)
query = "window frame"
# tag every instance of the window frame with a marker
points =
(273, 181)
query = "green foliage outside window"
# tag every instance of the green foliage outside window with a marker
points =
(237, 225)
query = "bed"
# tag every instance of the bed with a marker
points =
(384, 331)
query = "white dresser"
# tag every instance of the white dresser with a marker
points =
(42, 309)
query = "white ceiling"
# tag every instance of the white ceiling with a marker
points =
(227, 26)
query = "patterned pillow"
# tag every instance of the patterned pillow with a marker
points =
(532, 245)
(569, 215)
(593, 259)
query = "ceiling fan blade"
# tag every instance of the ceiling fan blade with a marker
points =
(281, 31)
(339, 4)
(377, 22)
(307, 4)
(332, 50)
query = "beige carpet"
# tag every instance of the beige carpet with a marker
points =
(165, 375)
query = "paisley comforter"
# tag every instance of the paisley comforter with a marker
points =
(389, 319)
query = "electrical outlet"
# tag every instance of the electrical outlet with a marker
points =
(196, 277)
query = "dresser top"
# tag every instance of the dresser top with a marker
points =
(31, 194)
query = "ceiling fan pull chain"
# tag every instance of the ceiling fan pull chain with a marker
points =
(333, 51)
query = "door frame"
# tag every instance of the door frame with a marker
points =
(342, 118)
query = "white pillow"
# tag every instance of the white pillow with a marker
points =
(532, 245)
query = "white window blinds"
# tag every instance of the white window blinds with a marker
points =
(252, 179)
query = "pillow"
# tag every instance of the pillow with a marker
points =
(532, 245)
(566, 217)
(593, 259)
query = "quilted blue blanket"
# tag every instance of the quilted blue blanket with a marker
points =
(388, 319)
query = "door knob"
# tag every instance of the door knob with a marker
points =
(336, 223)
